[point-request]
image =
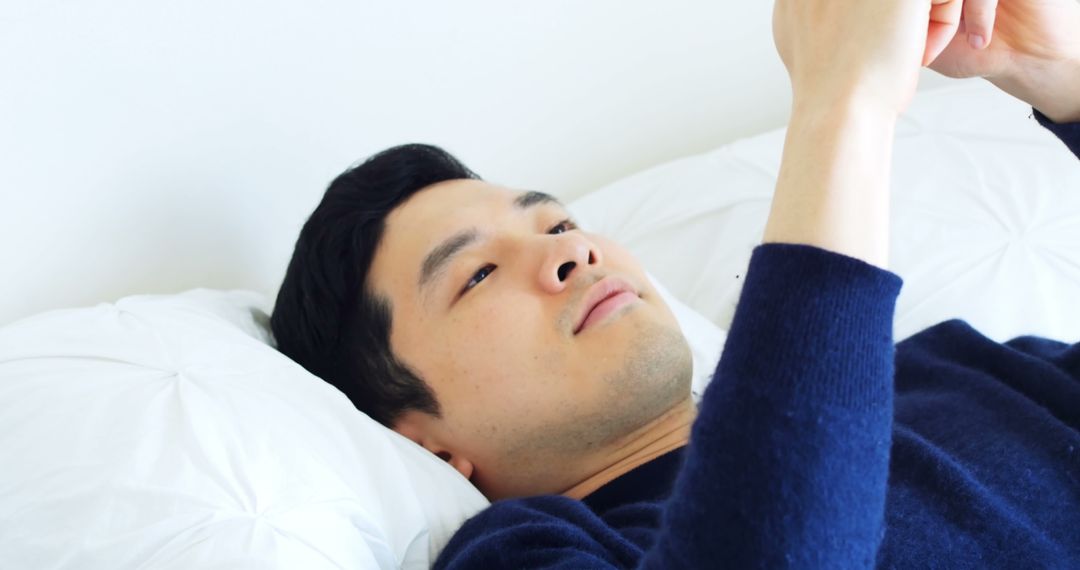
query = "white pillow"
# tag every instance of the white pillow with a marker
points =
(985, 218)
(164, 431)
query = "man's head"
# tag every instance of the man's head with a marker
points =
(451, 310)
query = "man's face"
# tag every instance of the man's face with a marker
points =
(488, 287)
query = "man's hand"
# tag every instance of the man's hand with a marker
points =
(1029, 48)
(865, 51)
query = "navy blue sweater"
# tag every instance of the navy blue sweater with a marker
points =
(821, 443)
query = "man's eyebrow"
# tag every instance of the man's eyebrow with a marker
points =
(438, 258)
(534, 198)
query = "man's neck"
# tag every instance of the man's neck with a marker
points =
(666, 433)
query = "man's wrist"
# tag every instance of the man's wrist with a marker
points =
(832, 190)
(1051, 87)
(845, 103)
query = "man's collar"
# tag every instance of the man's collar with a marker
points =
(651, 481)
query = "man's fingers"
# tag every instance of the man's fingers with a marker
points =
(944, 21)
(979, 17)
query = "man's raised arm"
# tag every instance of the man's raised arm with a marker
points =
(788, 460)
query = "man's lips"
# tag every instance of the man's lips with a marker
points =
(604, 298)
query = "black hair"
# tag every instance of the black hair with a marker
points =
(325, 318)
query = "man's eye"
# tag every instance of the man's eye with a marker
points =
(563, 226)
(478, 277)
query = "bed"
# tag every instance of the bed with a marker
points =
(164, 431)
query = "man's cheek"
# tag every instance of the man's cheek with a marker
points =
(616, 254)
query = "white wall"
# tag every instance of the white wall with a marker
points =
(150, 146)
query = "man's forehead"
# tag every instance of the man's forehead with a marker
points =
(444, 207)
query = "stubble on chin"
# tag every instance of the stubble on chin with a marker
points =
(655, 376)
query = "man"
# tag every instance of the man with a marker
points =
(534, 357)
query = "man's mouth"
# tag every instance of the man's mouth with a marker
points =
(602, 299)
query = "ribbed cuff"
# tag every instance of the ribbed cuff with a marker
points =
(813, 324)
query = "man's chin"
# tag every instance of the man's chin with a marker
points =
(655, 375)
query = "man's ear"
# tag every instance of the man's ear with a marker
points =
(419, 427)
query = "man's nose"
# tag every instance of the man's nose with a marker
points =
(567, 253)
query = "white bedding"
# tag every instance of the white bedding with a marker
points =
(165, 432)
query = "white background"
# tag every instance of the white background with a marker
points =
(150, 146)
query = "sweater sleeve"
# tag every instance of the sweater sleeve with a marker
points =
(1069, 133)
(788, 459)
